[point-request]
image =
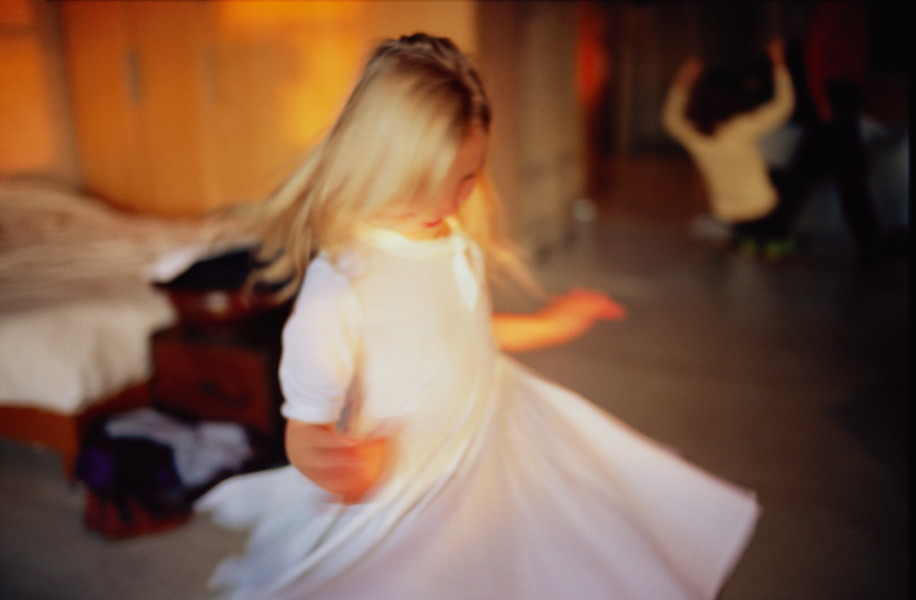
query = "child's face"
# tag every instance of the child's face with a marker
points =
(427, 221)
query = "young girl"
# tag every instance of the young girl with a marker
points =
(426, 463)
(719, 115)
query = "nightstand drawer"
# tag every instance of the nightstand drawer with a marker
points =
(217, 381)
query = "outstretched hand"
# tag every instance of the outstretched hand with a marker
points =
(346, 466)
(576, 311)
(565, 318)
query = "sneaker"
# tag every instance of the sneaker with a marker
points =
(780, 250)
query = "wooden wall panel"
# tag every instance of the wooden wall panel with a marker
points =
(105, 108)
(27, 138)
(35, 135)
(168, 38)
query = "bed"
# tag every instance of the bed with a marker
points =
(78, 306)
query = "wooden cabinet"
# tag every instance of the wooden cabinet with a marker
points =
(126, 113)
(219, 375)
(183, 107)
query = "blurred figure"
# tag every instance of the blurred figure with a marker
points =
(719, 115)
(835, 65)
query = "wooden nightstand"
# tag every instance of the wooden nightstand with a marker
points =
(226, 373)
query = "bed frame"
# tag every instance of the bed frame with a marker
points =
(63, 433)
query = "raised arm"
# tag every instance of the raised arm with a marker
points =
(778, 110)
(674, 116)
(565, 318)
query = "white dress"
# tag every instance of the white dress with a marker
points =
(504, 486)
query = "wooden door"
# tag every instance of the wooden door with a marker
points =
(136, 101)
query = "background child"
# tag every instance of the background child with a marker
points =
(719, 115)
(426, 463)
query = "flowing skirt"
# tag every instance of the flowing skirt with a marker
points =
(557, 499)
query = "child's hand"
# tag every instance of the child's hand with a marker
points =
(565, 318)
(689, 72)
(576, 312)
(776, 49)
(345, 466)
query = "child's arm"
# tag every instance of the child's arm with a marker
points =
(565, 318)
(775, 112)
(674, 118)
(345, 466)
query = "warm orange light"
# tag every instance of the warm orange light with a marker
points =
(592, 61)
(260, 17)
(321, 46)
(16, 13)
(27, 138)
(185, 106)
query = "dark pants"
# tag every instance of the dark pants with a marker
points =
(833, 150)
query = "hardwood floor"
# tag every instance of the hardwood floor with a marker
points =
(658, 187)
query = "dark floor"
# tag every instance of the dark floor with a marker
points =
(790, 379)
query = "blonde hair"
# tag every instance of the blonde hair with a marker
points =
(394, 141)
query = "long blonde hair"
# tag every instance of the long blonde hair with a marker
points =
(393, 142)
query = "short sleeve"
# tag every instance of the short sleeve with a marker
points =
(320, 346)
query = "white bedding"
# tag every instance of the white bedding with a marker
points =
(76, 305)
